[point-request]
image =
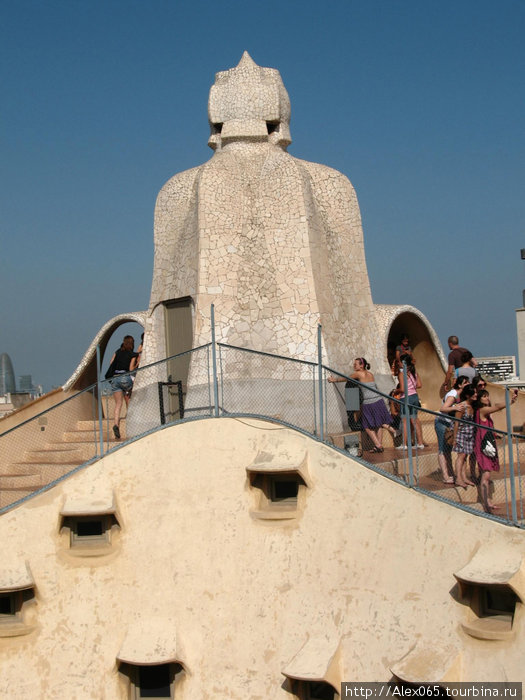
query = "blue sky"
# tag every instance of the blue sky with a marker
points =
(419, 103)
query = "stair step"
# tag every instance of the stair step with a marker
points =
(79, 436)
(15, 483)
(430, 479)
(49, 471)
(81, 451)
(52, 460)
(8, 497)
(88, 437)
(54, 456)
(17, 469)
(92, 426)
(58, 447)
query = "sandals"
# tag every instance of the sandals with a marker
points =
(377, 450)
(448, 480)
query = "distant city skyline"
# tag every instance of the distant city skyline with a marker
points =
(420, 105)
(8, 383)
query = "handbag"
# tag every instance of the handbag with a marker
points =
(488, 445)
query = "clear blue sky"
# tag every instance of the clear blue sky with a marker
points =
(421, 104)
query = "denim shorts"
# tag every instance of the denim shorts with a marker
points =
(413, 405)
(121, 382)
(441, 425)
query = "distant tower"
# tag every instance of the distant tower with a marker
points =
(7, 375)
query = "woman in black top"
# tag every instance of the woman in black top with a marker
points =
(121, 382)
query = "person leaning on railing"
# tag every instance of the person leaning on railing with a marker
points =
(442, 424)
(374, 415)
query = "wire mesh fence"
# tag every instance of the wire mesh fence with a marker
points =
(160, 392)
(437, 453)
(55, 442)
(47, 446)
(418, 447)
(260, 384)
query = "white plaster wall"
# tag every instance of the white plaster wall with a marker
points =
(368, 562)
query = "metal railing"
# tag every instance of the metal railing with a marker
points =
(423, 466)
(58, 441)
(221, 380)
(271, 386)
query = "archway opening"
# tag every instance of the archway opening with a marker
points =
(428, 364)
(110, 341)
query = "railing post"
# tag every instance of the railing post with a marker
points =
(511, 459)
(214, 364)
(408, 427)
(99, 401)
(321, 388)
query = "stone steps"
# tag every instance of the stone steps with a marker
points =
(16, 486)
(91, 426)
(59, 447)
(427, 475)
(36, 468)
(17, 482)
(54, 456)
(471, 496)
(83, 451)
(17, 469)
(9, 496)
(91, 436)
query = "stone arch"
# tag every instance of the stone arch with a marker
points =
(430, 359)
(86, 372)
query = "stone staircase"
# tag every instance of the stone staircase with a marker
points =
(427, 475)
(37, 468)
